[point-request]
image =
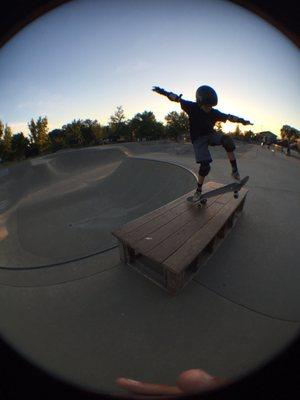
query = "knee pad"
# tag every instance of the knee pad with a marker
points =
(228, 143)
(204, 168)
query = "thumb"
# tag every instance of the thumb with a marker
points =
(197, 380)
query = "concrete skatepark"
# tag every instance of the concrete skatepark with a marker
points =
(71, 307)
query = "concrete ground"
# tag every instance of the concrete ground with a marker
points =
(71, 307)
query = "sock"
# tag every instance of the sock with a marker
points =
(234, 165)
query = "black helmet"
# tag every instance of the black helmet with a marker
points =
(206, 95)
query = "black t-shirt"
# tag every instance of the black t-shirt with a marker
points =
(201, 123)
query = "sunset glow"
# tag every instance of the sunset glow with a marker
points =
(86, 57)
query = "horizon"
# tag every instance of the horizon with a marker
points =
(242, 128)
(95, 59)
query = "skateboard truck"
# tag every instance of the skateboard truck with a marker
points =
(234, 187)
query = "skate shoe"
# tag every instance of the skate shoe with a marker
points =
(236, 175)
(196, 196)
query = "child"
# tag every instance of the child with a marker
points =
(202, 118)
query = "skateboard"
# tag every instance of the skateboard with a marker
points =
(234, 187)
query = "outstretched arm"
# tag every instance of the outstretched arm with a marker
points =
(170, 95)
(233, 118)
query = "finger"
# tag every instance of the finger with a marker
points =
(147, 388)
(197, 380)
(132, 396)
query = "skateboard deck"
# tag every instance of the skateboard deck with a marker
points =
(234, 187)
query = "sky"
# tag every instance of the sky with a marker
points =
(87, 57)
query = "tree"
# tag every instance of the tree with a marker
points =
(145, 126)
(177, 125)
(1, 141)
(39, 134)
(92, 132)
(19, 146)
(289, 135)
(118, 126)
(57, 139)
(249, 135)
(106, 132)
(118, 117)
(73, 133)
(237, 132)
(6, 149)
(1, 129)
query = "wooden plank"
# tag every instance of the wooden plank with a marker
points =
(155, 224)
(182, 239)
(123, 253)
(191, 217)
(132, 225)
(136, 223)
(191, 248)
(168, 246)
(174, 282)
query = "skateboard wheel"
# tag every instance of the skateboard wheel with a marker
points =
(236, 195)
(204, 201)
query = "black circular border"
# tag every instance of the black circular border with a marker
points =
(277, 379)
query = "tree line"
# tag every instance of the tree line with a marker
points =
(81, 133)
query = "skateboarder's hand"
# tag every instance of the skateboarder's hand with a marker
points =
(247, 123)
(170, 95)
(188, 382)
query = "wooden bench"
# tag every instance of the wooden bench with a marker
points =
(171, 243)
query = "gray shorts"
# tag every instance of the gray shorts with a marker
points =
(201, 146)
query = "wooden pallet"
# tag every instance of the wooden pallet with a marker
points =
(171, 243)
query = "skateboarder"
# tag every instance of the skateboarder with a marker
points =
(202, 118)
